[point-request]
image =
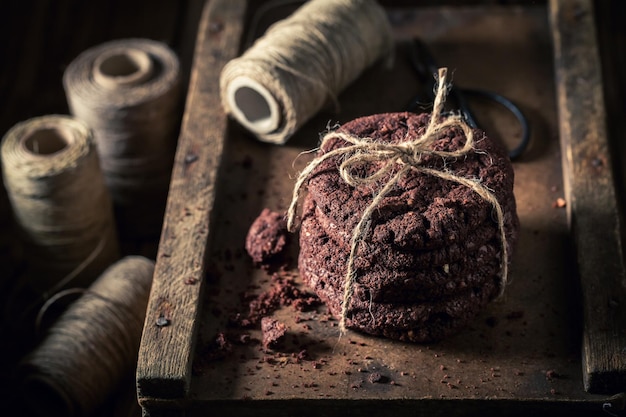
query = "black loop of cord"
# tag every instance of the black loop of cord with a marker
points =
(425, 66)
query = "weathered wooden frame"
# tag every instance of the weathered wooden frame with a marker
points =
(166, 354)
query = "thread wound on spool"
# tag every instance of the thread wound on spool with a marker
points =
(47, 141)
(128, 92)
(92, 345)
(253, 105)
(302, 63)
(124, 67)
(59, 199)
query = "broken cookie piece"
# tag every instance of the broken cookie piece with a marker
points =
(273, 332)
(267, 238)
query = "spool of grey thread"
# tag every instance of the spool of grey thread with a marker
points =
(92, 346)
(128, 91)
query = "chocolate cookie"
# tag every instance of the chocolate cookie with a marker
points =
(380, 283)
(423, 211)
(422, 322)
(406, 259)
(431, 257)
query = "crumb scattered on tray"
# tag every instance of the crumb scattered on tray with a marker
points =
(551, 374)
(284, 292)
(559, 203)
(377, 378)
(219, 348)
(273, 332)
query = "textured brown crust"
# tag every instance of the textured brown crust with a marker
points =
(396, 258)
(378, 282)
(431, 260)
(267, 237)
(420, 322)
(423, 211)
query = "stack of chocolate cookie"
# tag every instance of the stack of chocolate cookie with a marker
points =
(431, 258)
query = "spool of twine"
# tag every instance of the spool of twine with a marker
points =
(128, 92)
(92, 346)
(9, 247)
(60, 202)
(302, 63)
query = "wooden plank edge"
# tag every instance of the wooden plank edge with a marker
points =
(170, 329)
(399, 407)
(593, 211)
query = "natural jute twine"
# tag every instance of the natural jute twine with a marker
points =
(59, 200)
(301, 63)
(128, 92)
(408, 155)
(92, 346)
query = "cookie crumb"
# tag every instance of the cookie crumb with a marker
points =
(267, 238)
(559, 203)
(551, 374)
(273, 332)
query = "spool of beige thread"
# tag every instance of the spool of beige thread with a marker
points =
(92, 346)
(302, 63)
(128, 92)
(9, 247)
(60, 202)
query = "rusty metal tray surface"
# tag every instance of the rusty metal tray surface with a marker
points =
(521, 355)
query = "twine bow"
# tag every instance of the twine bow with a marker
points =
(408, 155)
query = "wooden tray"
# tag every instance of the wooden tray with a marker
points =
(521, 355)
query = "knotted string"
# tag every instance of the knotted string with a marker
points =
(365, 150)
